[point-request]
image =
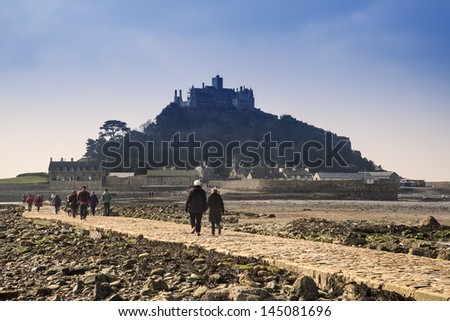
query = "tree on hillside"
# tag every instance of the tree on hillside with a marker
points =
(94, 149)
(113, 130)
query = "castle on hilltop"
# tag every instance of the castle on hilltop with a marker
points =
(215, 96)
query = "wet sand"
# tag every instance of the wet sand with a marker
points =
(400, 212)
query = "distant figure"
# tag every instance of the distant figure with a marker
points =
(106, 199)
(216, 210)
(67, 205)
(30, 202)
(93, 202)
(24, 199)
(196, 206)
(38, 202)
(56, 202)
(73, 203)
(83, 201)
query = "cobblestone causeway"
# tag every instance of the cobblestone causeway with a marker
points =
(419, 277)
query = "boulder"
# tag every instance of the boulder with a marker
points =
(43, 291)
(199, 261)
(353, 239)
(158, 271)
(199, 292)
(115, 297)
(245, 279)
(102, 291)
(417, 251)
(221, 294)
(247, 293)
(430, 223)
(349, 292)
(129, 264)
(9, 294)
(305, 289)
(217, 278)
(154, 286)
(444, 255)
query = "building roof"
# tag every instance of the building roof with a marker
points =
(173, 172)
(121, 174)
(60, 165)
(296, 172)
(343, 176)
(264, 172)
(386, 174)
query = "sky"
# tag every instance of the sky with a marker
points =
(377, 72)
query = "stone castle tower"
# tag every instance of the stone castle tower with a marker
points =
(216, 96)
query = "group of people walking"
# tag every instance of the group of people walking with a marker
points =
(31, 200)
(197, 204)
(83, 200)
(76, 201)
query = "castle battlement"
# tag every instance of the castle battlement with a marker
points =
(215, 96)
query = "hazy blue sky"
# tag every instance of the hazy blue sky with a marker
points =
(375, 71)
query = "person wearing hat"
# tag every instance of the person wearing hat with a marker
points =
(216, 210)
(196, 206)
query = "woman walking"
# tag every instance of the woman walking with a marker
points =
(38, 202)
(216, 210)
(93, 202)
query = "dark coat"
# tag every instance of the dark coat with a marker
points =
(38, 201)
(83, 197)
(196, 202)
(216, 208)
(73, 202)
(56, 201)
(93, 200)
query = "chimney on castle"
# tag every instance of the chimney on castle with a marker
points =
(62, 159)
(175, 97)
(181, 95)
(71, 159)
(51, 159)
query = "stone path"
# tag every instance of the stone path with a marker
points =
(419, 277)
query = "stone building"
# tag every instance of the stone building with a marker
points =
(295, 173)
(386, 177)
(216, 96)
(329, 176)
(74, 171)
(264, 173)
(172, 177)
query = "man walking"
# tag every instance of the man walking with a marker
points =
(83, 200)
(56, 202)
(106, 199)
(196, 206)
